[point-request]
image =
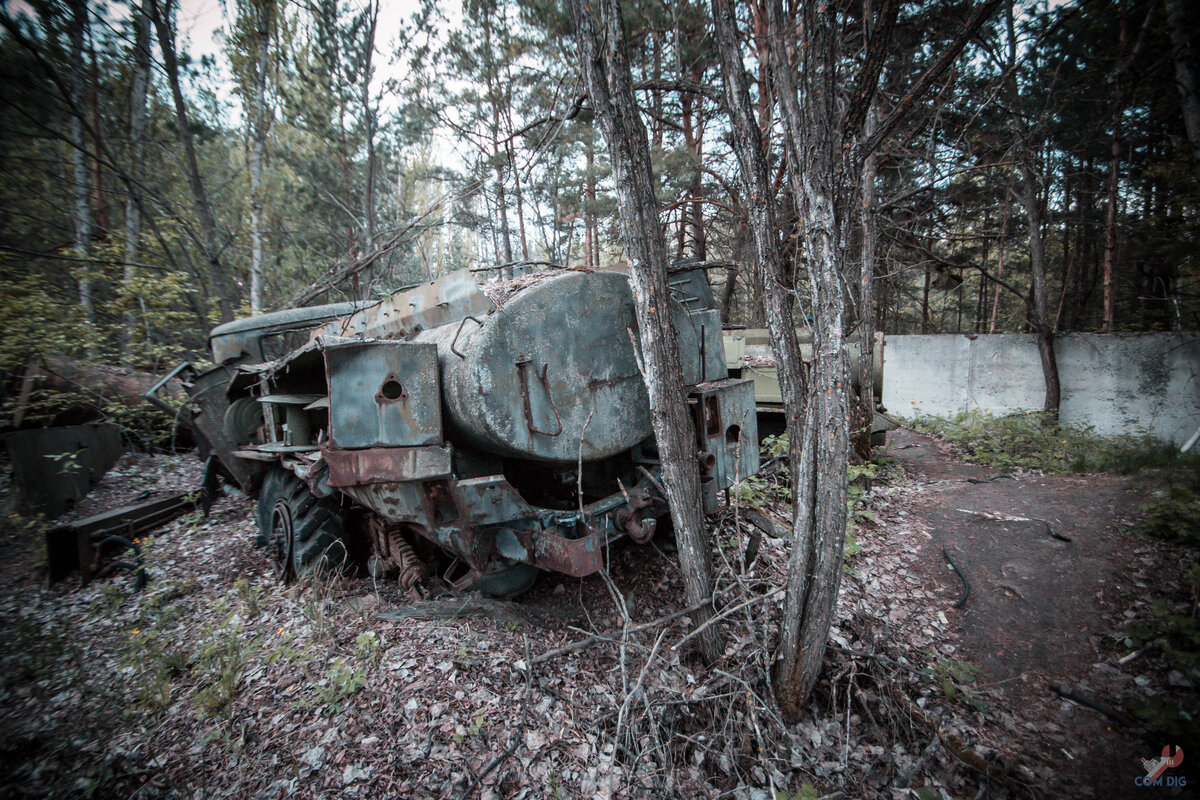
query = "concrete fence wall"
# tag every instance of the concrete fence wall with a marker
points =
(1141, 382)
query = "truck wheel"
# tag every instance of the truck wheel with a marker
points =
(303, 533)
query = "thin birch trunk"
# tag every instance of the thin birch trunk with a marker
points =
(137, 142)
(258, 152)
(79, 163)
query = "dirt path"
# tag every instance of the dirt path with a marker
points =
(1052, 580)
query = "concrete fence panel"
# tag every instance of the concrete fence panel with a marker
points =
(1115, 383)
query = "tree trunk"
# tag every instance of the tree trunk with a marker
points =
(99, 207)
(819, 479)
(264, 17)
(1185, 76)
(204, 216)
(1000, 250)
(866, 286)
(137, 146)
(1110, 230)
(370, 123)
(82, 206)
(1038, 306)
(769, 261)
(589, 198)
(610, 88)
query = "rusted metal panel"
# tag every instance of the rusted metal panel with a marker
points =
(383, 394)
(386, 464)
(727, 432)
(55, 467)
(574, 557)
(487, 523)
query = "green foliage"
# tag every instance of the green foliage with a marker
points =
(1174, 629)
(340, 681)
(950, 675)
(758, 491)
(806, 791)
(218, 666)
(1166, 716)
(1031, 440)
(1175, 518)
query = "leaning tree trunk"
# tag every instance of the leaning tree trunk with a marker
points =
(819, 479)
(1039, 310)
(610, 88)
(866, 289)
(1037, 304)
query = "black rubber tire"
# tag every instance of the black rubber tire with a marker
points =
(269, 491)
(316, 526)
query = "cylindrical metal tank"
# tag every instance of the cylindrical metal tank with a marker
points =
(551, 376)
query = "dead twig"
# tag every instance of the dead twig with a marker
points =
(645, 626)
(726, 612)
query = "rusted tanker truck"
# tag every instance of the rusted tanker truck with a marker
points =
(494, 437)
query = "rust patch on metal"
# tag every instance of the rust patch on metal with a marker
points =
(386, 464)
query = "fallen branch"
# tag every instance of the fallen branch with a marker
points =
(962, 601)
(1095, 705)
(956, 746)
(765, 524)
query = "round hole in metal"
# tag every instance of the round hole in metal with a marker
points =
(391, 389)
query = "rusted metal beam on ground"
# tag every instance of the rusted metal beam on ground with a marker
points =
(75, 546)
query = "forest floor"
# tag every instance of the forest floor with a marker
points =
(217, 681)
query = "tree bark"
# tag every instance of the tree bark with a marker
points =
(1037, 304)
(769, 260)
(866, 282)
(819, 478)
(1185, 76)
(264, 18)
(610, 88)
(137, 143)
(1110, 230)
(79, 164)
(204, 216)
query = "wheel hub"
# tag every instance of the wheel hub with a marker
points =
(282, 542)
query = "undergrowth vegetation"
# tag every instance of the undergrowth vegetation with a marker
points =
(773, 485)
(1033, 440)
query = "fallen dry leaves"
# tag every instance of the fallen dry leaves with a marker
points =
(216, 681)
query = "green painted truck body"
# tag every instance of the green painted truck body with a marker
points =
(514, 434)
